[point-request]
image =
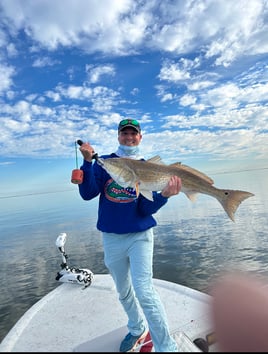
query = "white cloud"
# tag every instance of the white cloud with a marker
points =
(193, 72)
(44, 61)
(11, 50)
(171, 71)
(95, 73)
(6, 77)
(221, 29)
(187, 100)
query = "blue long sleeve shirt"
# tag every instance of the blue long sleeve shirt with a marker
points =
(120, 210)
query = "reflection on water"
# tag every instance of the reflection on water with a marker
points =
(193, 242)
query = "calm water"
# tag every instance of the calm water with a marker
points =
(193, 242)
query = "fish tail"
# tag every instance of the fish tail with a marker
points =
(231, 200)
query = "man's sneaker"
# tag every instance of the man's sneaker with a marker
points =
(130, 343)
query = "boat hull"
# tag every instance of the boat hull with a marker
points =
(71, 317)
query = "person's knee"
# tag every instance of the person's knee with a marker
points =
(125, 293)
(145, 294)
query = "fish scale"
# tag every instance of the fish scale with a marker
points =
(153, 175)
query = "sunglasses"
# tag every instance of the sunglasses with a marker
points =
(129, 121)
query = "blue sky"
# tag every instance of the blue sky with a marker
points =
(194, 73)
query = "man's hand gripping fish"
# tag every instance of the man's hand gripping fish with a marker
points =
(153, 175)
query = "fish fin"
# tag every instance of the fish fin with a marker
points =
(147, 194)
(193, 171)
(232, 199)
(137, 189)
(156, 159)
(191, 195)
(176, 164)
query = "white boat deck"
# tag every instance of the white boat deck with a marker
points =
(71, 315)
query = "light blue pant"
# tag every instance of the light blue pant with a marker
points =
(129, 258)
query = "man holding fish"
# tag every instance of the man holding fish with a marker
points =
(126, 221)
